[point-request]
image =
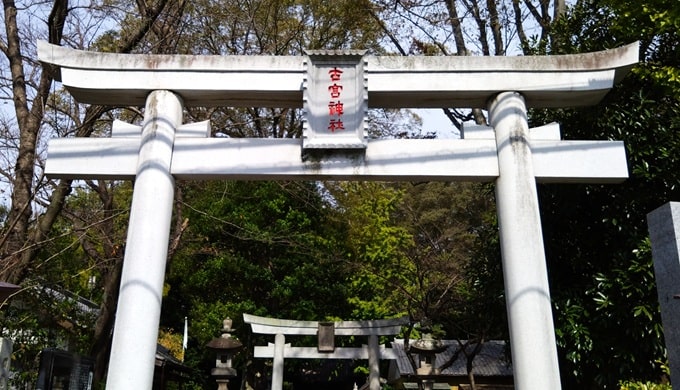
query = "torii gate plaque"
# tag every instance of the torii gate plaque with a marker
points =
(508, 152)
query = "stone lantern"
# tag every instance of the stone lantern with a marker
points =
(225, 347)
(427, 349)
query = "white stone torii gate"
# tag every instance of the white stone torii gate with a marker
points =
(280, 328)
(508, 152)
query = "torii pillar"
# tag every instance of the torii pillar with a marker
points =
(509, 153)
(525, 275)
(141, 290)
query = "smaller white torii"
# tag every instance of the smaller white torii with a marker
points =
(326, 331)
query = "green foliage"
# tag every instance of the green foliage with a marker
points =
(644, 18)
(379, 270)
(373, 250)
(341, 251)
(41, 317)
(261, 242)
(610, 23)
(27, 344)
(417, 249)
(630, 385)
(58, 304)
(263, 248)
(596, 235)
(638, 385)
(172, 340)
(268, 250)
(453, 227)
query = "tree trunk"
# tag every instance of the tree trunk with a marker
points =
(103, 330)
(15, 239)
(499, 48)
(471, 379)
(457, 28)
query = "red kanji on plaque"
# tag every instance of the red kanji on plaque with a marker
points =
(335, 74)
(335, 90)
(336, 124)
(335, 108)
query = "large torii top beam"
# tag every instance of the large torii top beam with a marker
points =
(277, 81)
(395, 82)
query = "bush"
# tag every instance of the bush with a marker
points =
(632, 385)
(628, 385)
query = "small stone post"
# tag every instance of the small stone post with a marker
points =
(664, 233)
(5, 359)
(6, 291)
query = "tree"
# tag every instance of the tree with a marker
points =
(595, 235)
(22, 234)
(597, 240)
(655, 24)
(98, 218)
(42, 112)
(28, 119)
(264, 248)
(448, 222)
(376, 249)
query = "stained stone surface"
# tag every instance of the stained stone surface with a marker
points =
(664, 232)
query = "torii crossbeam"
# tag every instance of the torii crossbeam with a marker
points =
(508, 152)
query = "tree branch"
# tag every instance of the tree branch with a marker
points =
(149, 16)
(457, 28)
(523, 40)
(499, 48)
